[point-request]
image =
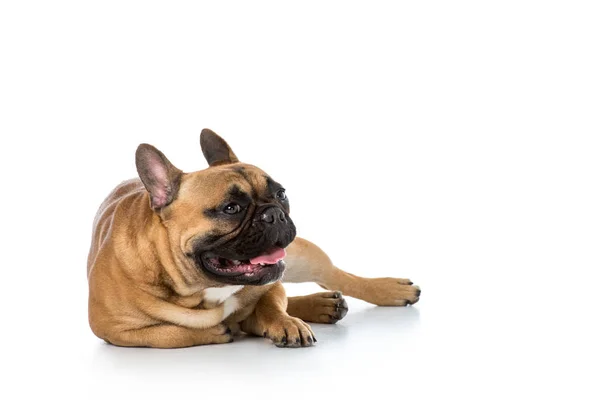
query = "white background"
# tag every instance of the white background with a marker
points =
(452, 143)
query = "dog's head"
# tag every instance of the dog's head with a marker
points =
(230, 220)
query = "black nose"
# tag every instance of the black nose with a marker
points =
(273, 215)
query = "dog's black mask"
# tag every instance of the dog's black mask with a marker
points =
(252, 254)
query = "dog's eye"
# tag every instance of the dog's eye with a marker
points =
(281, 194)
(232, 208)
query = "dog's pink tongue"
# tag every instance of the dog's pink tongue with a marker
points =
(269, 258)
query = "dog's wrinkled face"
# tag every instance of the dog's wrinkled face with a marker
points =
(245, 224)
(231, 220)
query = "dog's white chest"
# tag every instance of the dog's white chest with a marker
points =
(219, 295)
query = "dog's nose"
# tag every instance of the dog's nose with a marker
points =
(273, 215)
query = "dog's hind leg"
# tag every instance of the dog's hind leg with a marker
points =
(308, 263)
(169, 336)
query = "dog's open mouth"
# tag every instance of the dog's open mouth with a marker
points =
(245, 269)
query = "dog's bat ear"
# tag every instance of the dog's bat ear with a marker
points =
(158, 175)
(215, 149)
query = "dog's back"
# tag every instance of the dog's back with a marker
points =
(105, 217)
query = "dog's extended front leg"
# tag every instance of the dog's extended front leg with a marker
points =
(271, 320)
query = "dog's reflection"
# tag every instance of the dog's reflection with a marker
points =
(366, 329)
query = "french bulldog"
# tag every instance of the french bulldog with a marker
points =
(183, 259)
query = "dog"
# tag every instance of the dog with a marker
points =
(183, 259)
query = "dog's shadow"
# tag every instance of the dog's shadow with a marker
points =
(366, 327)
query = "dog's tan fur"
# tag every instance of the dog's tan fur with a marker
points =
(144, 291)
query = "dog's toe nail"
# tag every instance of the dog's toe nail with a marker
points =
(410, 282)
(343, 313)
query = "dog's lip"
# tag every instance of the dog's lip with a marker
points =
(232, 268)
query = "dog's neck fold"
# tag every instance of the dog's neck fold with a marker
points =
(178, 272)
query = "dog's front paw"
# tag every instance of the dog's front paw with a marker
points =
(290, 332)
(391, 292)
(329, 307)
(324, 308)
